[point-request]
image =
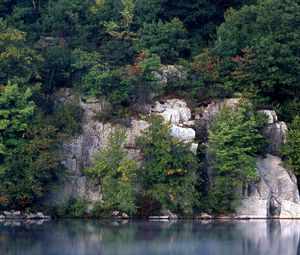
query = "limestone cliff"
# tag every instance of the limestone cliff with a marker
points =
(274, 195)
(81, 150)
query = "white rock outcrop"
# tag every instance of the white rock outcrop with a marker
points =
(177, 113)
(93, 137)
(183, 134)
(275, 195)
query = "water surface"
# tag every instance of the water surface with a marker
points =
(80, 237)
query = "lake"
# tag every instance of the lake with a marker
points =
(184, 237)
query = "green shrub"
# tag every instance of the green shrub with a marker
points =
(166, 39)
(234, 142)
(97, 210)
(169, 169)
(77, 208)
(291, 150)
(74, 208)
(67, 117)
(116, 173)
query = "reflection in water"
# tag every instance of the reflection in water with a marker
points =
(74, 237)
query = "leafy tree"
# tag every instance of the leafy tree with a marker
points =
(258, 45)
(116, 173)
(169, 169)
(118, 36)
(203, 80)
(30, 160)
(82, 61)
(124, 86)
(234, 141)
(291, 150)
(166, 39)
(16, 110)
(200, 17)
(69, 19)
(67, 117)
(146, 12)
(122, 29)
(56, 70)
(18, 62)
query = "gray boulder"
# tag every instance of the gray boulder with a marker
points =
(275, 195)
(183, 134)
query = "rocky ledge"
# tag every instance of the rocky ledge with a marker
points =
(18, 215)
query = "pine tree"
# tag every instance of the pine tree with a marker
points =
(234, 143)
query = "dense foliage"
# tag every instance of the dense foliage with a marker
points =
(234, 142)
(116, 173)
(170, 169)
(259, 49)
(291, 150)
(115, 50)
(30, 161)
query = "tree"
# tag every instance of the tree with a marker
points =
(16, 110)
(69, 19)
(234, 141)
(291, 150)
(169, 169)
(166, 39)
(30, 159)
(116, 174)
(259, 47)
(122, 87)
(200, 17)
(18, 62)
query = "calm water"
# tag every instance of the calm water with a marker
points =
(144, 238)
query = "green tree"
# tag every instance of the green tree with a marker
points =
(234, 141)
(16, 111)
(259, 48)
(18, 62)
(122, 87)
(166, 39)
(169, 169)
(200, 17)
(291, 150)
(116, 173)
(69, 19)
(30, 159)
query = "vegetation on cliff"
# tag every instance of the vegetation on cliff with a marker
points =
(111, 49)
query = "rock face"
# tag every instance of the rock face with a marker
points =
(81, 151)
(177, 113)
(276, 193)
(93, 137)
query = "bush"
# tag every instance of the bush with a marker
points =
(291, 150)
(75, 208)
(166, 39)
(169, 169)
(67, 117)
(234, 142)
(116, 173)
(97, 210)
